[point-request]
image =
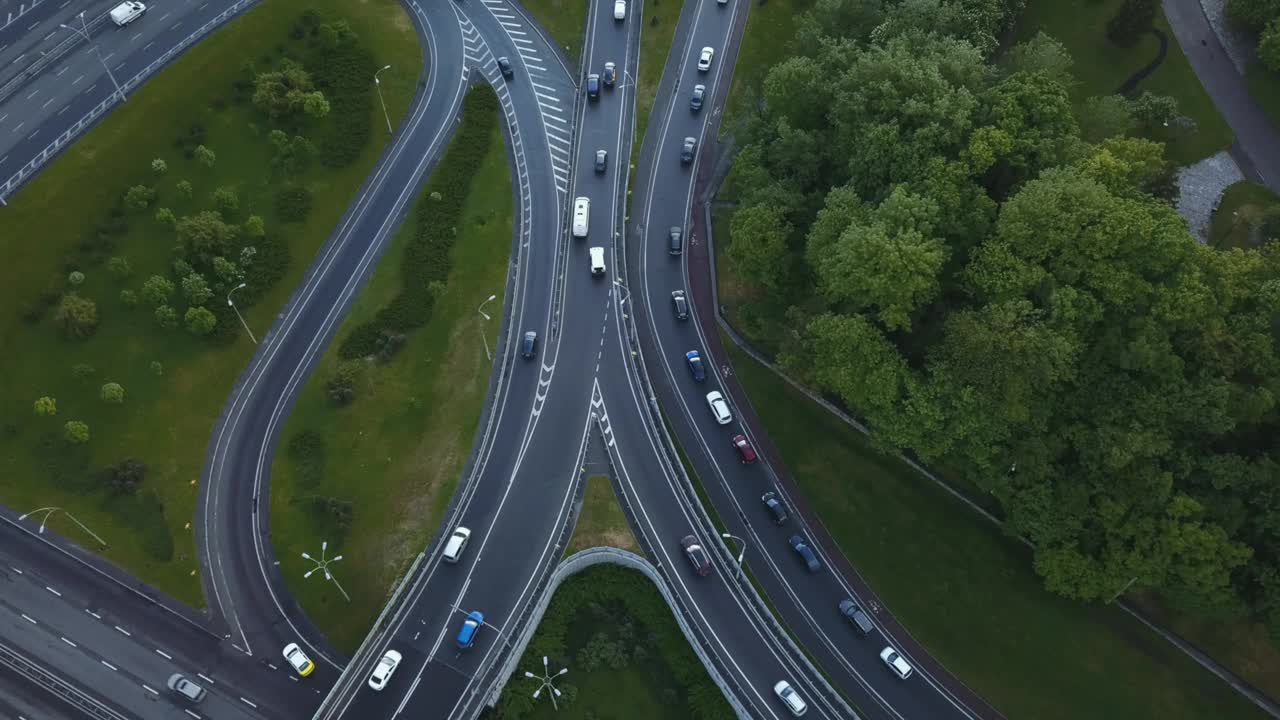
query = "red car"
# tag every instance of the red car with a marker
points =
(745, 451)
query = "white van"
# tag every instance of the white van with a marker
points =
(597, 261)
(127, 12)
(581, 216)
(456, 544)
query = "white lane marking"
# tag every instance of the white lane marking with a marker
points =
(47, 103)
(206, 678)
(125, 632)
(148, 689)
(93, 613)
(248, 702)
(55, 592)
(148, 45)
(29, 619)
(78, 79)
(34, 93)
(108, 57)
(109, 665)
(68, 641)
(188, 711)
(164, 654)
(64, 109)
(64, 69)
(90, 88)
(2, 117)
(135, 37)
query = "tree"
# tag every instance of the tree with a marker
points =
(196, 289)
(77, 316)
(342, 386)
(156, 368)
(46, 406)
(315, 106)
(1253, 15)
(286, 91)
(1106, 116)
(1042, 54)
(254, 227)
(226, 201)
(124, 477)
(159, 166)
(1152, 111)
(128, 298)
(157, 290)
(226, 271)
(205, 235)
(139, 197)
(1132, 19)
(200, 321)
(759, 248)
(82, 371)
(112, 393)
(184, 188)
(76, 432)
(1269, 45)
(205, 156)
(165, 216)
(75, 278)
(292, 155)
(119, 268)
(166, 317)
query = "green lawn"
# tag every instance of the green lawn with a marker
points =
(967, 592)
(626, 656)
(660, 21)
(1101, 67)
(398, 450)
(601, 522)
(565, 21)
(1233, 221)
(167, 417)
(1264, 88)
(764, 43)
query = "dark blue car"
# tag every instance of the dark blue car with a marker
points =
(470, 628)
(695, 365)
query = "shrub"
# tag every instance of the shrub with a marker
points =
(205, 156)
(200, 321)
(427, 259)
(119, 268)
(83, 371)
(341, 388)
(1153, 111)
(307, 451)
(342, 74)
(75, 432)
(254, 227)
(125, 476)
(1269, 46)
(293, 202)
(184, 189)
(159, 166)
(46, 406)
(77, 316)
(129, 298)
(196, 289)
(166, 317)
(206, 234)
(226, 201)
(112, 393)
(157, 290)
(139, 197)
(156, 368)
(1253, 15)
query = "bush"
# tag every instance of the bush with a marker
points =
(200, 321)
(46, 406)
(427, 259)
(1269, 46)
(112, 393)
(293, 202)
(119, 268)
(77, 316)
(75, 432)
(83, 371)
(342, 73)
(341, 388)
(1252, 15)
(226, 201)
(166, 317)
(157, 290)
(139, 197)
(125, 476)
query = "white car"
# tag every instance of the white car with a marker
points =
(896, 662)
(704, 58)
(790, 698)
(619, 9)
(385, 667)
(298, 659)
(719, 407)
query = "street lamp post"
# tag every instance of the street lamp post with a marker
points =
(547, 680)
(378, 86)
(323, 564)
(49, 512)
(1132, 580)
(742, 554)
(237, 310)
(83, 31)
(485, 315)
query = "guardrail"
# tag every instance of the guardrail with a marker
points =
(39, 64)
(93, 116)
(582, 560)
(64, 690)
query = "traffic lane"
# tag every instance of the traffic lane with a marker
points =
(28, 30)
(734, 631)
(37, 113)
(20, 698)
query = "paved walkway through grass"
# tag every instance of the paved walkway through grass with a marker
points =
(1257, 147)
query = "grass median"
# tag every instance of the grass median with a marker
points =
(967, 592)
(126, 398)
(373, 472)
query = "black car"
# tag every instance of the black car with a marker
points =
(675, 241)
(530, 345)
(610, 75)
(504, 65)
(697, 555)
(602, 160)
(686, 150)
(806, 553)
(775, 507)
(695, 101)
(680, 304)
(593, 87)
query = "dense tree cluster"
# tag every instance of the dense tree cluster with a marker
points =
(994, 278)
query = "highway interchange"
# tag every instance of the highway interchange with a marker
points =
(611, 353)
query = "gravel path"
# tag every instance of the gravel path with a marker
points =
(1201, 187)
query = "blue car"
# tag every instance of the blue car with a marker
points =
(470, 628)
(695, 365)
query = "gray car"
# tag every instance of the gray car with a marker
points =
(856, 616)
(675, 241)
(186, 688)
(687, 150)
(695, 100)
